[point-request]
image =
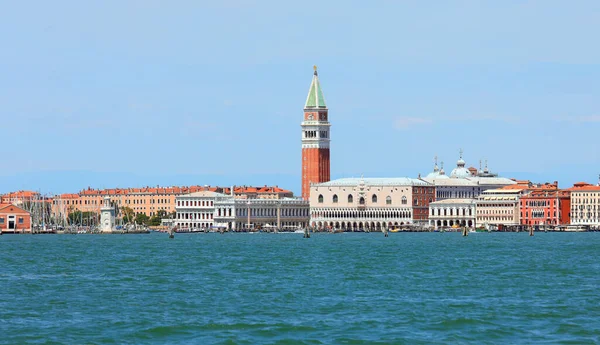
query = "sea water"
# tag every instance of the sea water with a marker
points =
(350, 288)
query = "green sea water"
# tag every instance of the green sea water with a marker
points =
(409, 288)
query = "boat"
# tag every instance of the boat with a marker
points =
(395, 230)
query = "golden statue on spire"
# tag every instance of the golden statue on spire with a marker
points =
(315, 67)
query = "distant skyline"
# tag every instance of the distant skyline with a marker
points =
(130, 93)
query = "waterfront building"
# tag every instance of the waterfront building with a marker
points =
(196, 210)
(20, 198)
(498, 208)
(150, 200)
(545, 205)
(283, 214)
(206, 210)
(315, 138)
(585, 204)
(370, 203)
(107, 216)
(464, 183)
(14, 219)
(452, 213)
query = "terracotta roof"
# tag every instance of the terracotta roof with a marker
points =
(547, 194)
(178, 190)
(4, 206)
(515, 187)
(21, 194)
(582, 186)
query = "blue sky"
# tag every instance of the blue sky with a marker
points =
(136, 93)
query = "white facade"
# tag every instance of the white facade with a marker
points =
(498, 207)
(452, 212)
(107, 216)
(206, 210)
(369, 203)
(196, 210)
(585, 205)
(282, 214)
(462, 184)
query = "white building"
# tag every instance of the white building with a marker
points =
(464, 183)
(196, 210)
(107, 216)
(206, 210)
(498, 207)
(356, 204)
(585, 204)
(452, 212)
(283, 214)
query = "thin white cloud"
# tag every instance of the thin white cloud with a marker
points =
(406, 122)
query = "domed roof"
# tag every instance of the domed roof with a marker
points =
(460, 171)
(442, 173)
(436, 170)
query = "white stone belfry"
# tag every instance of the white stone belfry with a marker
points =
(107, 216)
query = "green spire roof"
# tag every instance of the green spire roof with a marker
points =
(315, 97)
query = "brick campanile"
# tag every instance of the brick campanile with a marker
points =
(315, 138)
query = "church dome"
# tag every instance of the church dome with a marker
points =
(460, 171)
(436, 170)
(442, 173)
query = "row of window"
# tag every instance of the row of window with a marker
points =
(195, 203)
(361, 201)
(194, 215)
(21, 220)
(451, 212)
(362, 214)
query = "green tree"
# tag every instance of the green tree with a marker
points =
(142, 218)
(127, 214)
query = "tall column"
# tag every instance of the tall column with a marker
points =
(248, 216)
(279, 215)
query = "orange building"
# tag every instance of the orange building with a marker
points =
(14, 219)
(315, 139)
(545, 204)
(20, 197)
(150, 200)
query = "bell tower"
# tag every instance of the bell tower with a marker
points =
(315, 138)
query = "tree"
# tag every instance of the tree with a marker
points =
(128, 214)
(161, 214)
(142, 218)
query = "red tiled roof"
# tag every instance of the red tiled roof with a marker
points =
(583, 186)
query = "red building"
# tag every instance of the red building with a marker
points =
(546, 205)
(422, 196)
(315, 138)
(14, 219)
